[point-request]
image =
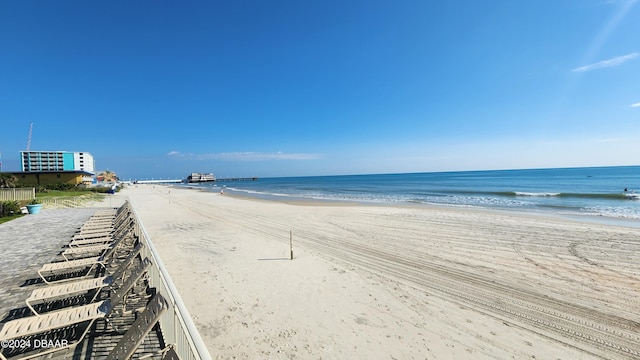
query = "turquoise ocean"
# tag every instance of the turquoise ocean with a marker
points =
(593, 191)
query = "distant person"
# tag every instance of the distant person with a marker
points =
(625, 190)
(221, 191)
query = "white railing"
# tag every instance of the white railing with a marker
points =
(176, 323)
(14, 194)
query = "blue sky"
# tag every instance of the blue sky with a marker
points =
(285, 88)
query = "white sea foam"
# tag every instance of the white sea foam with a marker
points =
(585, 191)
(632, 196)
(520, 193)
(615, 212)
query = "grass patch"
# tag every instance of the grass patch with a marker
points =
(57, 193)
(4, 219)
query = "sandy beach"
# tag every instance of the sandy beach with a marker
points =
(381, 282)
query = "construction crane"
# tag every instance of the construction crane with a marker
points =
(29, 138)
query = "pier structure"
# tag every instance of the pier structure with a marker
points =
(237, 179)
(173, 181)
(166, 181)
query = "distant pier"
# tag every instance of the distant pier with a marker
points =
(237, 179)
(169, 181)
(166, 181)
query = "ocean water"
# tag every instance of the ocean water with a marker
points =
(594, 191)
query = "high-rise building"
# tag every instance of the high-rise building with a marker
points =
(56, 167)
(43, 161)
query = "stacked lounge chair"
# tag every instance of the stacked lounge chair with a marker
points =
(94, 255)
(73, 316)
(115, 268)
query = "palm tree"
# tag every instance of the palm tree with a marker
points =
(8, 180)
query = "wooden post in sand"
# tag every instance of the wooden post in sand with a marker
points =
(291, 244)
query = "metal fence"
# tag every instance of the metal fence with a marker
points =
(17, 194)
(176, 324)
(58, 202)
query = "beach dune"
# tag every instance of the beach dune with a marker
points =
(389, 282)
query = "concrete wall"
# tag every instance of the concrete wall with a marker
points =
(52, 178)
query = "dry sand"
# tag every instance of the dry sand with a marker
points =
(377, 282)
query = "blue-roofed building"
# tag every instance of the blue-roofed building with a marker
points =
(47, 167)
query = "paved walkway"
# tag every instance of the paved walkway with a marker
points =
(28, 243)
(31, 241)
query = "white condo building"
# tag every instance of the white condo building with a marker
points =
(42, 161)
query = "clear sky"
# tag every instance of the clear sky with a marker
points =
(267, 88)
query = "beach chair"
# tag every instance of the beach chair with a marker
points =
(107, 229)
(110, 228)
(91, 248)
(65, 267)
(90, 241)
(132, 339)
(101, 229)
(123, 212)
(103, 237)
(109, 212)
(103, 226)
(95, 225)
(84, 251)
(66, 289)
(105, 212)
(112, 212)
(70, 317)
(100, 221)
(91, 234)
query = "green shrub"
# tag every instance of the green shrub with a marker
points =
(62, 187)
(100, 190)
(55, 187)
(8, 208)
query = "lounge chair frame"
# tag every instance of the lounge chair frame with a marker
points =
(67, 289)
(132, 339)
(33, 325)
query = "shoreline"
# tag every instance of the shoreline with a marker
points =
(403, 282)
(578, 217)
